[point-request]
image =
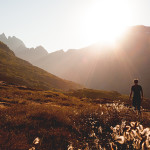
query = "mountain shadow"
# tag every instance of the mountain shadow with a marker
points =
(17, 71)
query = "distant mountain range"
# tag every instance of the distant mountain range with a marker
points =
(17, 71)
(20, 50)
(98, 66)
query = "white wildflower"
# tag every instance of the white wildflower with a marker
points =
(36, 141)
(100, 130)
(70, 147)
(32, 148)
(120, 139)
(92, 134)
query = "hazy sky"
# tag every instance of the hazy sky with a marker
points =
(65, 24)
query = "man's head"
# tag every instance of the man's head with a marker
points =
(136, 81)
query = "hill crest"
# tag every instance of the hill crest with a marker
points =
(18, 71)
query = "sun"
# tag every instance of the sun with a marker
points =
(105, 21)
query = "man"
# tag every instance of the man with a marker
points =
(137, 92)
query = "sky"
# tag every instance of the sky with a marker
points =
(70, 24)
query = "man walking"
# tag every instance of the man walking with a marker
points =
(137, 92)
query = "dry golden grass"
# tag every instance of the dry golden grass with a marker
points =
(58, 119)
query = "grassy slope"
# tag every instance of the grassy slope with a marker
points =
(18, 71)
(99, 96)
(57, 119)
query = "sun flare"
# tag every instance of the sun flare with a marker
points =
(105, 21)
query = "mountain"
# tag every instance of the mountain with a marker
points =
(21, 51)
(17, 71)
(12, 42)
(104, 67)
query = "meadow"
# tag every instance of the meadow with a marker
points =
(77, 119)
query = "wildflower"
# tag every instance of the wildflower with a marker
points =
(145, 131)
(139, 128)
(148, 136)
(120, 139)
(96, 142)
(127, 136)
(36, 141)
(132, 124)
(32, 148)
(147, 142)
(70, 147)
(92, 134)
(100, 130)
(127, 128)
(87, 147)
(136, 143)
(113, 146)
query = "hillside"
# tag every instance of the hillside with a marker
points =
(17, 71)
(106, 67)
(103, 67)
(61, 121)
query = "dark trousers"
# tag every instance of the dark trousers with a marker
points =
(136, 103)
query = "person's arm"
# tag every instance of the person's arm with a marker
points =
(141, 93)
(130, 94)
